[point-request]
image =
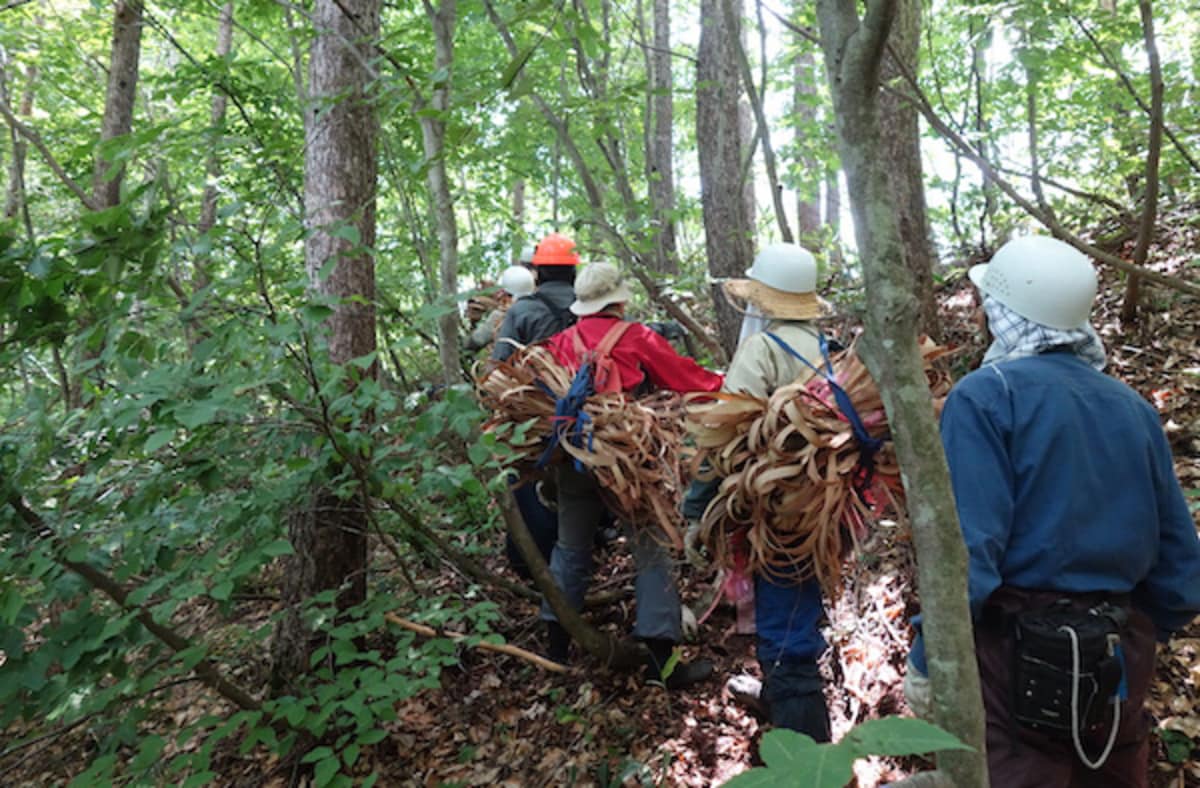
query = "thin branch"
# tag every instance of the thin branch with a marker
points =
(1141, 249)
(205, 669)
(764, 133)
(1132, 90)
(224, 88)
(35, 138)
(499, 648)
(921, 101)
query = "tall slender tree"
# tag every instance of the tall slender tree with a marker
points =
(329, 535)
(727, 227)
(854, 51)
(902, 147)
(119, 100)
(660, 158)
(432, 114)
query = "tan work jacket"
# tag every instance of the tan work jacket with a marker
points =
(760, 365)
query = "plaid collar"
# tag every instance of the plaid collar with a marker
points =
(1014, 336)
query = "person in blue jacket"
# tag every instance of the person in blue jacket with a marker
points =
(1073, 516)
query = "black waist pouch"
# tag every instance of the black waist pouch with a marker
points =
(1045, 677)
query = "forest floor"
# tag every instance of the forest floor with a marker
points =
(496, 720)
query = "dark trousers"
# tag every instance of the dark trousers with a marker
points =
(1022, 758)
(542, 524)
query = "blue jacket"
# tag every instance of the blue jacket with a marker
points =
(1064, 481)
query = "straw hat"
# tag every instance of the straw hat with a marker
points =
(782, 284)
(598, 285)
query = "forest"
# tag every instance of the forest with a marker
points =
(255, 510)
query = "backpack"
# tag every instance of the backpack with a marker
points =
(563, 318)
(597, 374)
(598, 361)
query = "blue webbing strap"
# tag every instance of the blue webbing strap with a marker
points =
(570, 420)
(867, 445)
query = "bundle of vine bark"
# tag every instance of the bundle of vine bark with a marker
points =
(795, 494)
(631, 445)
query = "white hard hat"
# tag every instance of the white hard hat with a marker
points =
(1040, 278)
(787, 267)
(782, 283)
(517, 280)
(526, 256)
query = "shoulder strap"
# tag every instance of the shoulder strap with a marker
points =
(564, 316)
(612, 337)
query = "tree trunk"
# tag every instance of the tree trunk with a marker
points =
(329, 535)
(833, 214)
(661, 155)
(804, 121)
(987, 218)
(15, 203)
(433, 132)
(760, 124)
(208, 202)
(119, 98)
(902, 147)
(520, 237)
(727, 229)
(853, 54)
(1141, 250)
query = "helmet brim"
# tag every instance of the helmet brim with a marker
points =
(777, 304)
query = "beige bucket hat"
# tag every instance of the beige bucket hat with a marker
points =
(598, 285)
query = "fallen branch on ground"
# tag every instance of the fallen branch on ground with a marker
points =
(499, 648)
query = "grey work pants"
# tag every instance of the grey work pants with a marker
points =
(580, 513)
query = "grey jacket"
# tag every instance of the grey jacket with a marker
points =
(530, 320)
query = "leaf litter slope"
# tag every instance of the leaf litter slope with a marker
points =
(499, 721)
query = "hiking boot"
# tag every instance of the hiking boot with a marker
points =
(558, 643)
(746, 691)
(682, 675)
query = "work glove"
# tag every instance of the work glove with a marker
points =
(917, 692)
(692, 548)
(688, 623)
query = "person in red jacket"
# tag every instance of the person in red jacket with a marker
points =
(641, 361)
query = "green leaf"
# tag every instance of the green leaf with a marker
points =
(347, 232)
(197, 414)
(812, 765)
(317, 754)
(278, 547)
(514, 67)
(158, 440)
(373, 736)
(325, 772)
(901, 736)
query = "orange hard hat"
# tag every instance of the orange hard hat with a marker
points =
(555, 249)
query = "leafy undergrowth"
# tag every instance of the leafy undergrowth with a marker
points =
(496, 720)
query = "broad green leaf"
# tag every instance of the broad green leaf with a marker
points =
(158, 440)
(900, 736)
(812, 765)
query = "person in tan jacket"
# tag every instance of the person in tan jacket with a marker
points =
(781, 286)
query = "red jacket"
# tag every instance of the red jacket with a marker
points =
(640, 354)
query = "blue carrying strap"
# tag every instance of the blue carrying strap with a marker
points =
(570, 421)
(867, 445)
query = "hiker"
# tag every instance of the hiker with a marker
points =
(1081, 548)
(780, 290)
(627, 357)
(547, 311)
(534, 318)
(515, 282)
